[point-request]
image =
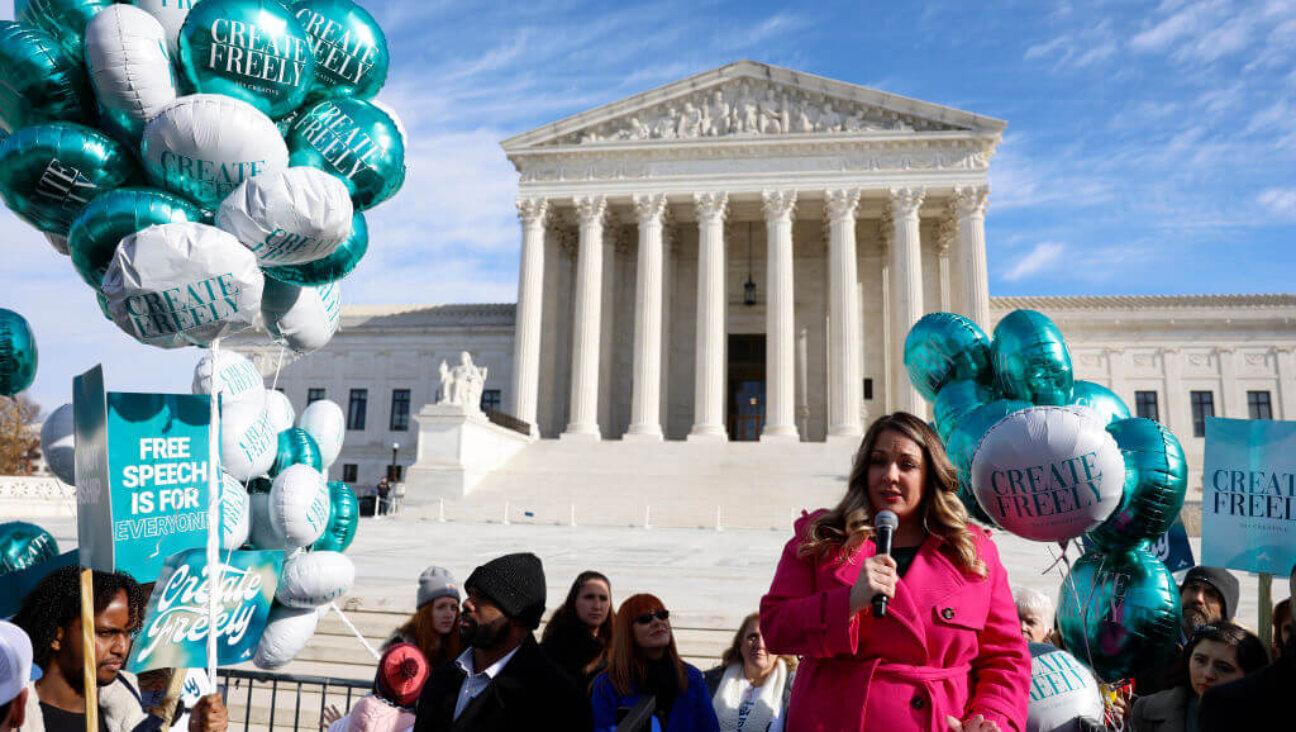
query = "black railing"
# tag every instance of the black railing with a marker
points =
(247, 683)
(508, 421)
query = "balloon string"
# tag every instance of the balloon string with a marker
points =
(274, 384)
(347, 621)
(213, 512)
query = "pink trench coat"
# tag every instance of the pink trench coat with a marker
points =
(949, 644)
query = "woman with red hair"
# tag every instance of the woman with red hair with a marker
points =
(643, 662)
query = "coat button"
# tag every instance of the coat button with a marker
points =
(917, 702)
(948, 613)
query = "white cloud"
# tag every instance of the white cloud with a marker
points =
(1281, 201)
(1041, 257)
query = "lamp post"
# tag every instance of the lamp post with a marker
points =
(392, 471)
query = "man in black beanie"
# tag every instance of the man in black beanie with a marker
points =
(1207, 595)
(503, 681)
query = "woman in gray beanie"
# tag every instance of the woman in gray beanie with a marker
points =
(434, 626)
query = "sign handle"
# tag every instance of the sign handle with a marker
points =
(1266, 610)
(90, 666)
(214, 484)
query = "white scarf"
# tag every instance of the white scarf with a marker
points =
(768, 699)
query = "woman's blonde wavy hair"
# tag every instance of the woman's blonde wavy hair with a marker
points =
(843, 529)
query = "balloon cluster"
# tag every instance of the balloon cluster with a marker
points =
(1050, 458)
(287, 504)
(200, 162)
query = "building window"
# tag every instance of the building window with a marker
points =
(1145, 405)
(1258, 406)
(356, 409)
(314, 395)
(400, 410)
(868, 388)
(1203, 406)
(349, 473)
(490, 399)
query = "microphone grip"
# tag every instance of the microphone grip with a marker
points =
(879, 605)
(883, 539)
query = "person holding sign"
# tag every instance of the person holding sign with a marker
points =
(51, 616)
(924, 637)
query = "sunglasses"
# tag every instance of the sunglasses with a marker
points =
(647, 618)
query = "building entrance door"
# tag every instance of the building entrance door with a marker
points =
(746, 387)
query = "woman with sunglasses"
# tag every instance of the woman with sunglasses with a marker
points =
(1215, 654)
(643, 662)
(946, 652)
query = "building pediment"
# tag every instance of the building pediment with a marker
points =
(748, 101)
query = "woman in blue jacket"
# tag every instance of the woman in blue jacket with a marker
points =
(643, 662)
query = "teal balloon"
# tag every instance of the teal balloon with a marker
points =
(355, 141)
(1156, 481)
(102, 300)
(957, 400)
(94, 235)
(64, 19)
(351, 56)
(1031, 360)
(332, 268)
(253, 50)
(39, 81)
(1119, 612)
(962, 444)
(296, 448)
(1100, 399)
(945, 347)
(49, 172)
(18, 353)
(343, 521)
(24, 545)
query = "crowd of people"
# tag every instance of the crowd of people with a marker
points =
(927, 636)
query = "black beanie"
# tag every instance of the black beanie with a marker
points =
(515, 583)
(1222, 580)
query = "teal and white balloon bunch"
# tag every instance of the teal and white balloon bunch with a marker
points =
(275, 495)
(201, 162)
(1051, 458)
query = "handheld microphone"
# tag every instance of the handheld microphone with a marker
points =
(886, 523)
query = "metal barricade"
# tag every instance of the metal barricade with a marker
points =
(256, 699)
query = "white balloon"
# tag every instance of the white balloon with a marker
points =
(182, 284)
(58, 444)
(289, 216)
(203, 146)
(170, 14)
(248, 445)
(236, 513)
(1048, 473)
(59, 243)
(287, 632)
(240, 381)
(311, 579)
(129, 66)
(302, 318)
(324, 421)
(299, 505)
(262, 532)
(279, 410)
(1062, 692)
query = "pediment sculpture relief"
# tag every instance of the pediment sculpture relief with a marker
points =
(746, 108)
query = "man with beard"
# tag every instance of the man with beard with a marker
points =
(1256, 701)
(51, 617)
(1207, 595)
(503, 681)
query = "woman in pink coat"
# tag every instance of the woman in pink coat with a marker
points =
(948, 654)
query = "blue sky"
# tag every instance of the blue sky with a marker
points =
(1151, 146)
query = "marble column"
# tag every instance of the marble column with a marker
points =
(845, 372)
(645, 399)
(780, 335)
(951, 295)
(709, 368)
(971, 201)
(906, 291)
(526, 332)
(586, 323)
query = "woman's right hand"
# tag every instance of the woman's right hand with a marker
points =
(877, 576)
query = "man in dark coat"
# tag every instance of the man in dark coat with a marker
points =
(503, 681)
(1261, 700)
